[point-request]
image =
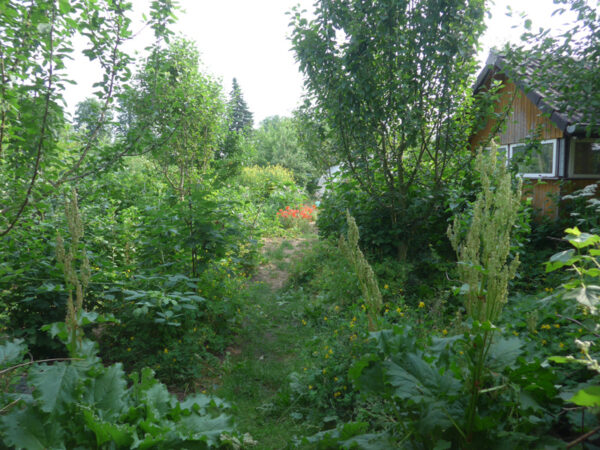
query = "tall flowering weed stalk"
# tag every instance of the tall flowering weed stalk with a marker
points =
(366, 277)
(76, 278)
(483, 263)
(483, 253)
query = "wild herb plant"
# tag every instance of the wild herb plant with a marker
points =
(483, 254)
(484, 265)
(364, 272)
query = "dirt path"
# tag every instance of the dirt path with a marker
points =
(255, 372)
(280, 253)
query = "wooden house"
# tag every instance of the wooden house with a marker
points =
(566, 154)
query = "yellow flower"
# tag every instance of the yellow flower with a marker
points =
(335, 378)
(421, 305)
(398, 310)
(580, 330)
(326, 356)
(309, 387)
(515, 333)
(444, 332)
(561, 345)
(545, 327)
(556, 325)
(324, 371)
(386, 311)
(461, 352)
(303, 322)
(325, 318)
(386, 286)
(337, 308)
(131, 338)
(305, 369)
(544, 342)
(166, 350)
(128, 349)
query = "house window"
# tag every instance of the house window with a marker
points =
(584, 160)
(535, 162)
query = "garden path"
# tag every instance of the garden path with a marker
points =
(255, 371)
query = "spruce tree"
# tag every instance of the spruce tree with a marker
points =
(240, 116)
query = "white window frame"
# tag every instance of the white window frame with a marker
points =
(572, 159)
(552, 174)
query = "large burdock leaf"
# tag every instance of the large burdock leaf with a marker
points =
(29, 429)
(54, 386)
(108, 393)
(11, 352)
(120, 434)
(415, 379)
(204, 428)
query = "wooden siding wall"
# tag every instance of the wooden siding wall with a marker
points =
(524, 118)
(544, 196)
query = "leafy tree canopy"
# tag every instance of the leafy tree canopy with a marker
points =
(174, 104)
(90, 115)
(276, 143)
(391, 78)
(36, 40)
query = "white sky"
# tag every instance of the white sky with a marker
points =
(247, 39)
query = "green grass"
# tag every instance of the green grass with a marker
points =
(255, 375)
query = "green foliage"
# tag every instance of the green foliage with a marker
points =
(88, 115)
(327, 275)
(396, 97)
(261, 192)
(381, 232)
(276, 143)
(85, 404)
(37, 41)
(80, 402)
(185, 110)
